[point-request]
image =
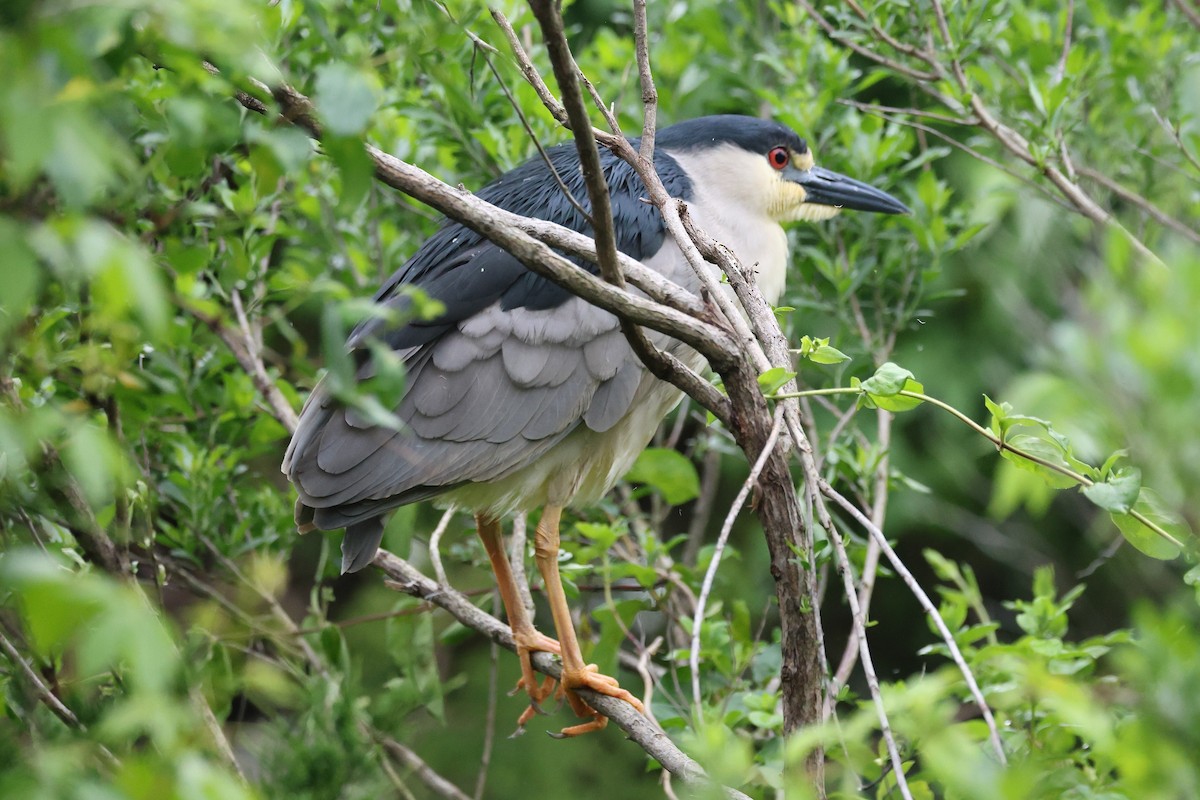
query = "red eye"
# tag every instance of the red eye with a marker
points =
(779, 157)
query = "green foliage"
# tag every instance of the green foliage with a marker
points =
(819, 351)
(884, 388)
(120, 671)
(669, 472)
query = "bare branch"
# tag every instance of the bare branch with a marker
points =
(1135, 199)
(915, 587)
(649, 91)
(1068, 30)
(1186, 7)
(525, 64)
(48, 698)
(425, 773)
(952, 70)
(251, 364)
(435, 546)
(516, 558)
(508, 231)
(802, 638)
(1173, 131)
(887, 113)
(870, 569)
(404, 578)
(663, 365)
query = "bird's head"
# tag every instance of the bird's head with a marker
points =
(766, 166)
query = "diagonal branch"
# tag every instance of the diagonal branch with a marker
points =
(407, 579)
(698, 329)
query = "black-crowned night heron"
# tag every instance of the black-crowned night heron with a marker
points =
(520, 395)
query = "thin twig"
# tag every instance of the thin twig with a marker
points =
(859, 617)
(711, 573)
(215, 731)
(834, 33)
(1189, 12)
(525, 64)
(432, 780)
(663, 365)
(48, 698)
(516, 558)
(882, 113)
(1068, 31)
(251, 363)
(487, 51)
(870, 568)
(1132, 197)
(435, 545)
(915, 587)
(1173, 131)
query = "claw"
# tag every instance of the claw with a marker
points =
(590, 678)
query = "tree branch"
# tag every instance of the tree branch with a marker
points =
(403, 577)
(509, 231)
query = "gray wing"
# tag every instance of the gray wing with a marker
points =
(483, 400)
(511, 368)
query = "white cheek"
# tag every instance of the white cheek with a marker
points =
(813, 212)
(786, 200)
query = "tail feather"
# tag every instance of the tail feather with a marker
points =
(360, 544)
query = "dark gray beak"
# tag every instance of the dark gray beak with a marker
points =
(827, 188)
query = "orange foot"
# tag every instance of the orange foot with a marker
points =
(529, 642)
(590, 678)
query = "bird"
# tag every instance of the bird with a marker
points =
(520, 396)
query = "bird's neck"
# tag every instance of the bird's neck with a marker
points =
(759, 242)
(721, 207)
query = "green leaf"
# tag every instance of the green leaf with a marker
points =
(819, 351)
(827, 354)
(602, 536)
(346, 99)
(1111, 462)
(1000, 411)
(884, 387)
(1118, 493)
(887, 380)
(19, 274)
(1192, 578)
(354, 166)
(1042, 447)
(124, 276)
(771, 380)
(1151, 506)
(668, 472)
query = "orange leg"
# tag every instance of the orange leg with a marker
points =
(528, 639)
(575, 674)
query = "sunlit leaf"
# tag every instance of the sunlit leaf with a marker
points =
(667, 471)
(1118, 493)
(773, 379)
(1151, 506)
